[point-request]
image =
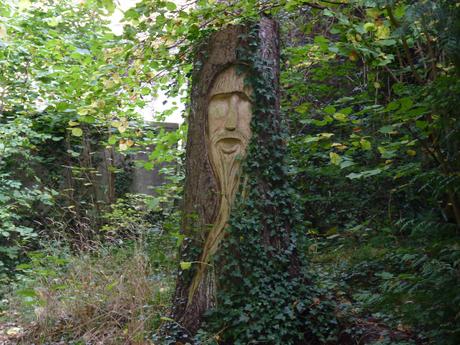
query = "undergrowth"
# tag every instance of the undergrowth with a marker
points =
(114, 291)
(113, 296)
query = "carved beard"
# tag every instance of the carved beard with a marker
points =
(226, 152)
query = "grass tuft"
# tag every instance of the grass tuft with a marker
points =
(112, 296)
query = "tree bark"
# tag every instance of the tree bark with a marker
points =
(202, 196)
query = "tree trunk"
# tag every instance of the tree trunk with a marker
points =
(222, 69)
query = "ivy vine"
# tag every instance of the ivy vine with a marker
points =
(265, 294)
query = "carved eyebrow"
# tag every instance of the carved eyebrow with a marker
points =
(224, 94)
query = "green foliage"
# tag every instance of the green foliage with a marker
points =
(370, 92)
(153, 220)
(17, 197)
(70, 94)
(375, 152)
(129, 272)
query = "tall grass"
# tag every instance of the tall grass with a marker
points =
(108, 296)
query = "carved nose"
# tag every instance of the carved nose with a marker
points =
(232, 115)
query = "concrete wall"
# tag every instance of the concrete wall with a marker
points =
(132, 178)
(143, 181)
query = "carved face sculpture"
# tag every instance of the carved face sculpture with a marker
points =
(229, 131)
(229, 126)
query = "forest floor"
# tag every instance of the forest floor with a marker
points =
(10, 333)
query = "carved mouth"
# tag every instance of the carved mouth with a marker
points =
(229, 145)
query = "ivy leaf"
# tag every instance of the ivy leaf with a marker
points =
(346, 163)
(325, 135)
(364, 174)
(311, 139)
(88, 119)
(386, 42)
(392, 106)
(383, 32)
(339, 146)
(387, 130)
(148, 165)
(108, 4)
(123, 146)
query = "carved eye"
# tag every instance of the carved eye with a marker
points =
(218, 107)
(244, 105)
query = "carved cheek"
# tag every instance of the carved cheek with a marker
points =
(217, 112)
(244, 117)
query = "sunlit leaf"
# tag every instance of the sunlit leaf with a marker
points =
(335, 158)
(185, 265)
(77, 132)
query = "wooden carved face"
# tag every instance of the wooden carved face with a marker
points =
(229, 115)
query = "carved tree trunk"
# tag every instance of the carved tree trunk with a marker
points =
(212, 171)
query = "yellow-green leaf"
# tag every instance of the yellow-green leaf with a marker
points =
(339, 146)
(122, 128)
(185, 265)
(369, 27)
(3, 33)
(325, 135)
(165, 318)
(335, 158)
(13, 331)
(329, 109)
(122, 145)
(77, 132)
(82, 111)
(112, 140)
(24, 4)
(383, 32)
(123, 125)
(340, 117)
(365, 144)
